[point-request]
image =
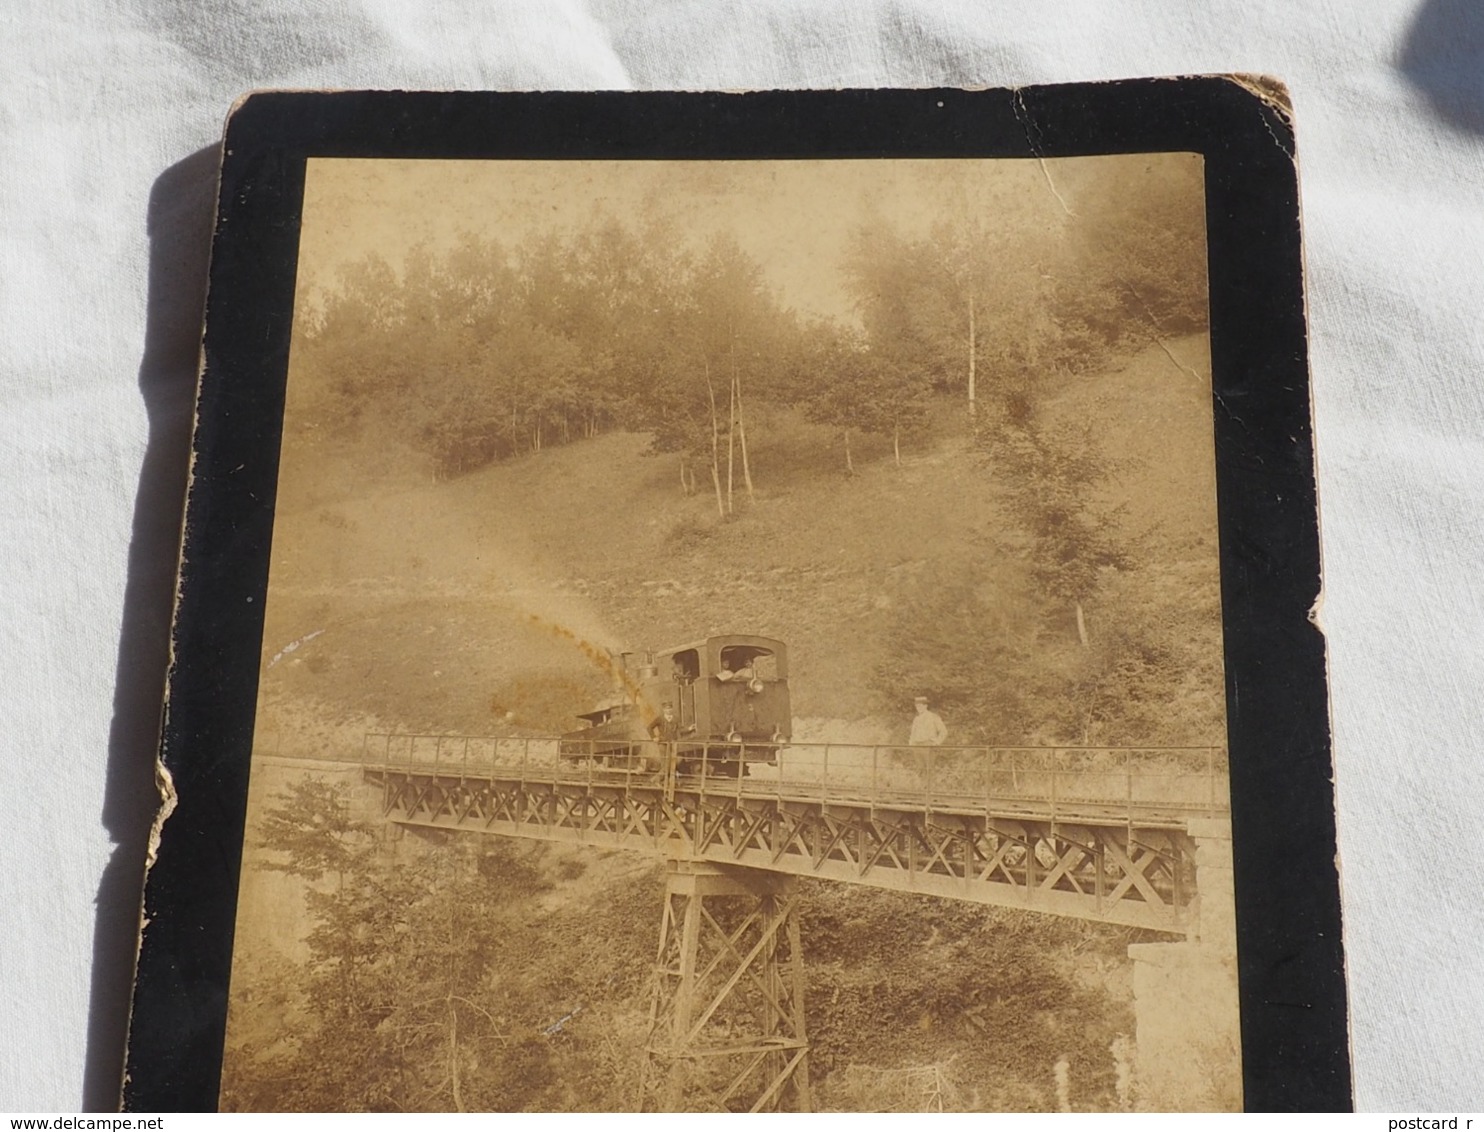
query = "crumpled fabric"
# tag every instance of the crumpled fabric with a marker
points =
(104, 213)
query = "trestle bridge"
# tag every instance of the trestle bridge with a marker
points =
(1107, 834)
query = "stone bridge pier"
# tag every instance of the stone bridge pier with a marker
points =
(1188, 1027)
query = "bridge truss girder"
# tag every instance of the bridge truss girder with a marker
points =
(1137, 870)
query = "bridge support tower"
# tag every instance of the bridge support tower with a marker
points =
(726, 1024)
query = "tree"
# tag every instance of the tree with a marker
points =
(406, 1009)
(856, 390)
(716, 337)
(1137, 248)
(311, 831)
(730, 310)
(906, 311)
(903, 983)
(1051, 473)
(962, 251)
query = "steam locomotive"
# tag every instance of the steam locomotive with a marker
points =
(721, 702)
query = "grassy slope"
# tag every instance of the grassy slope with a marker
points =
(446, 605)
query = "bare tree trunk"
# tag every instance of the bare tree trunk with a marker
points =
(1081, 626)
(716, 483)
(721, 510)
(973, 354)
(849, 463)
(742, 441)
(684, 487)
(731, 435)
(896, 441)
(453, 1057)
(347, 1003)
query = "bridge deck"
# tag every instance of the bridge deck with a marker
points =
(1101, 834)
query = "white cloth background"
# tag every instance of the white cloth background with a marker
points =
(101, 102)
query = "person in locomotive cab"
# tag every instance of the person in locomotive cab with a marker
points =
(728, 673)
(927, 726)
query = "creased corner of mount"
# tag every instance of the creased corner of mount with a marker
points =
(1273, 92)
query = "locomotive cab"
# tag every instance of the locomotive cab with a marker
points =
(730, 688)
(728, 694)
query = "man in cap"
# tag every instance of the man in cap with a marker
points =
(665, 731)
(927, 726)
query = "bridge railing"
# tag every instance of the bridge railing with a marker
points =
(1062, 781)
(1183, 779)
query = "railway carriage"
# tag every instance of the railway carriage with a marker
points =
(728, 705)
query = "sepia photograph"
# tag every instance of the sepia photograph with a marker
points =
(743, 636)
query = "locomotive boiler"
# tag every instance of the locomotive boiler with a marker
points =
(721, 702)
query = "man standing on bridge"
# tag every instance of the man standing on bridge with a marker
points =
(927, 726)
